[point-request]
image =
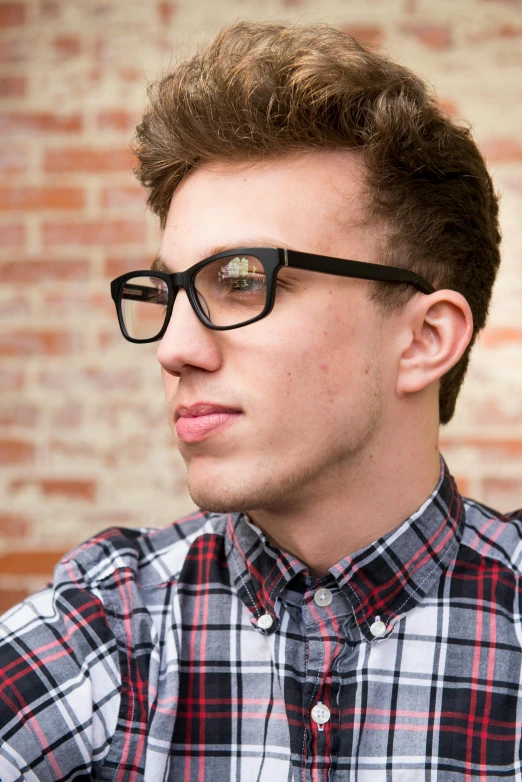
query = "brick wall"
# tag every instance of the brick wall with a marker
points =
(83, 436)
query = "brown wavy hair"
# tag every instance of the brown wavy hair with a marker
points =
(262, 90)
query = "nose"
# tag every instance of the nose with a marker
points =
(187, 342)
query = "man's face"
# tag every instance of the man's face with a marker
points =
(308, 379)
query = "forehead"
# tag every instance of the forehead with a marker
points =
(313, 201)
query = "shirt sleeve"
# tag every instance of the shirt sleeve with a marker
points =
(59, 686)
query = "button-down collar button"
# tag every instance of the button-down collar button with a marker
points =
(378, 628)
(323, 597)
(265, 622)
(320, 713)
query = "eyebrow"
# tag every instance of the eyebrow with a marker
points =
(159, 264)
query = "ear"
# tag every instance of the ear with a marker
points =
(437, 330)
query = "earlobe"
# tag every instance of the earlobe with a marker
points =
(439, 328)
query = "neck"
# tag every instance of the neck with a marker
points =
(357, 503)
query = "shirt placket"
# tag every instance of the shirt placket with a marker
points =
(324, 611)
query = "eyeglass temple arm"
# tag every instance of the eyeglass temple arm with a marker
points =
(363, 271)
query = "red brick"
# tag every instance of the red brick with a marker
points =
(509, 31)
(79, 302)
(39, 122)
(369, 34)
(94, 75)
(75, 449)
(44, 271)
(11, 379)
(433, 36)
(492, 412)
(15, 452)
(504, 494)
(11, 597)
(13, 86)
(64, 487)
(11, 14)
(115, 267)
(449, 107)
(84, 159)
(12, 235)
(166, 12)
(39, 343)
(133, 75)
(491, 32)
(122, 121)
(497, 337)
(502, 150)
(19, 415)
(128, 453)
(15, 307)
(13, 525)
(50, 10)
(14, 51)
(67, 46)
(94, 378)
(33, 563)
(124, 197)
(103, 52)
(111, 339)
(462, 485)
(30, 198)
(504, 2)
(113, 379)
(12, 161)
(100, 519)
(93, 232)
(494, 448)
(57, 380)
(67, 416)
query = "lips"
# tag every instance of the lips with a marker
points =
(202, 408)
(202, 420)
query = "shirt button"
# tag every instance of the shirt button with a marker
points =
(320, 713)
(378, 628)
(323, 597)
(265, 622)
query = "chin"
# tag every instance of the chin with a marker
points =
(215, 504)
(220, 485)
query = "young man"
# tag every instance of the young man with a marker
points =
(337, 611)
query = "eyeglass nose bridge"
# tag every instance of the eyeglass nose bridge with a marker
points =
(183, 280)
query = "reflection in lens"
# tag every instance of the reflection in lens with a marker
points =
(231, 290)
(144, 303)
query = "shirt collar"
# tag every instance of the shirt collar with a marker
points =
(259, 570)
(382, 581)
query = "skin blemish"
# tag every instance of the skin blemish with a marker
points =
(324, 367)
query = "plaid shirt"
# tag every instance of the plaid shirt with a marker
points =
(200, 653)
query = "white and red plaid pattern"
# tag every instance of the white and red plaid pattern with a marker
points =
(145, 660)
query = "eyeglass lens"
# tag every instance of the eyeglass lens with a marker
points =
(230, 291)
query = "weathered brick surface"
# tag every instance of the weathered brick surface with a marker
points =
(84, 442)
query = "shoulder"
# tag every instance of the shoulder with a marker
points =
(494, 535)
(56, 649)
(147, 555)
(60, 650)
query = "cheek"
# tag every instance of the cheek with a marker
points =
(311, 367)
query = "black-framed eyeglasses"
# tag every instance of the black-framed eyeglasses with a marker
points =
(229, 289)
